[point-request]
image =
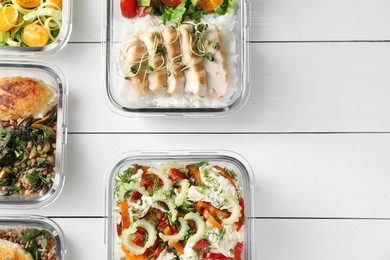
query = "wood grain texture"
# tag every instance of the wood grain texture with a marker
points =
(295, 175)
(322, 87)
(274, 240)
(279, 20)
(317, 20)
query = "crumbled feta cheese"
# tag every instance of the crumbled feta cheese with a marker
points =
(216, 184)
(223, 244)
(166, 256)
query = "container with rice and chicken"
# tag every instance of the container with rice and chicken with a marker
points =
(176, 57)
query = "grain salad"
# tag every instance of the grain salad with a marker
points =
(27, 243)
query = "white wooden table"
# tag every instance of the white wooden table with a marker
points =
(315, 130)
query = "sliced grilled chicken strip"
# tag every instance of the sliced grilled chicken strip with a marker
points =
(176, 78)
(195, 73)
(157, 78)
(133, 54)
(216, 69)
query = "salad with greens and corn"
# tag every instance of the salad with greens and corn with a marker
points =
(179, 211)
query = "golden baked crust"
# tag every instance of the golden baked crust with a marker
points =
(9, 250)
(21, 97)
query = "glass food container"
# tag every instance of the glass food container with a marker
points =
(56, 45)
(118, 99)
(36, 222)
(53, 77)
(227, 159)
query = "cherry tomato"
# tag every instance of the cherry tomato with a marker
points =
(209, 5)
(56, 4)
(171, 3)
(215, 256)
(142, 11)
(35, 35)
(8, 18)
(203, 243)
(238, 251)
(129, 8)
(28, 3)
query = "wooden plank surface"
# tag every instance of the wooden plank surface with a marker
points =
(274, 240)
(295, 175)
(317, 20)
(279, 20)
(322, 87)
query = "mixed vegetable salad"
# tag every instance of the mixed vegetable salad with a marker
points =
(178, 211)
(33, 23)
(175, 10)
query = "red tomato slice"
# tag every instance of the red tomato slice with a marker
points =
(163, 224)
(171, 3)
(138, 241)
(215, 256)
(136, 195)
(129, 8)
(203, 243)
(176, 175)
(119, 229)
(238, 251)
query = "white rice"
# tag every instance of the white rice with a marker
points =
(226, 24)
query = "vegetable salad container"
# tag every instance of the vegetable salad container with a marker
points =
(176, 58)
(31, 237)
(180, 205)
(33, 102)
(34, 27)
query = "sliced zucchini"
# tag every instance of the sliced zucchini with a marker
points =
(179, 236)
(200, 226)
(184, 184)
(126, 236)
(234, 208)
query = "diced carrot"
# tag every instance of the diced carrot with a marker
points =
(225, 174)
(196, 173)
(124, 209)
(204, 205)
(168, 231)
(209, 5)
(179, 189)
(180, 214)
(210, 218)
(131, 256)
(159, 215)
(178, 247)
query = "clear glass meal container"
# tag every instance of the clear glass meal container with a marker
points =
(58, 44)
(52, 76)
(38, 222)
(113, 27)
(228, 159)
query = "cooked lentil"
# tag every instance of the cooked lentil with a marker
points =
(27, 155)
(27, 238)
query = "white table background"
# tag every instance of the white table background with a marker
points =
(315, 130)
